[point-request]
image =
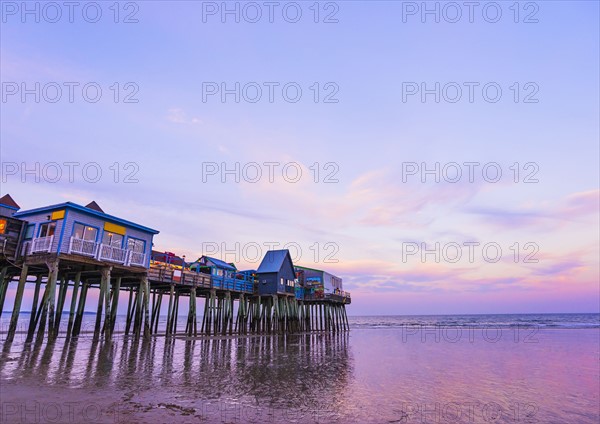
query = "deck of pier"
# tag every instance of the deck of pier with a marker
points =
(231, 305)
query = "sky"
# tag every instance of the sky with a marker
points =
(441, 162)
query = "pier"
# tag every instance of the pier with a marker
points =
(66, 251)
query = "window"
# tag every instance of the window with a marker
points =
(2, 226)
(136, 245)
(85, 232)
(47, 229)
(112, 239)
(281, 282)
(29, 231)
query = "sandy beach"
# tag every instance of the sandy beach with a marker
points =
(371, 375)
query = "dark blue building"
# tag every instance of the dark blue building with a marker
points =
(276, 275)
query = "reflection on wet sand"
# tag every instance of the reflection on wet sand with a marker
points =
(368, 376)
(304, 374)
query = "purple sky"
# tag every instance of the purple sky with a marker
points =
(359, 207)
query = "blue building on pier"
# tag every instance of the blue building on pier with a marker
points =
(276, 274)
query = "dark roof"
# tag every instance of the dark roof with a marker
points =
(307, 268)
(273, 261)
(88, 211)
(8, 201)
(218, 263)
(94, 206)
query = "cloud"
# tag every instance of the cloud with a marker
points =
(572, 208)
(179, 116)
(580, 204)
(390, 202)
(504, 218)
(376, 198)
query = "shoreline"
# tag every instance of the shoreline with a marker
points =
(368, 377)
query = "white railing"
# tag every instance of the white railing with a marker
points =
(41, 244)
(113, 254)
(83, 247)
(136, 258)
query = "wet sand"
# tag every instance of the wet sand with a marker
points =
(367, 376)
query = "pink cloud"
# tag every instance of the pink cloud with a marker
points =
(541, 217)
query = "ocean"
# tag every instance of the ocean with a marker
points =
(399, 369)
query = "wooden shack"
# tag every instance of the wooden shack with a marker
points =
(319, 284)
(11, 229)
(86, 231)
(275, 273)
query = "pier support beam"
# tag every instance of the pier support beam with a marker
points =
(103, 302)
(130, 309)
(204, 324)
(4, 281)
(242, 316)
(175, 314)
(42, 315)
(227, 313)
(346, 319)
(51, 299)
(76, 282)
(211, 305)
(156, 314)
(107, 290)
(62, 294)
(137, 323)
(17, 305)
(34, 309)
(217, 315)
(80, 308)
(116, 291)
(170, 310)
(191, 327)
(146, 292)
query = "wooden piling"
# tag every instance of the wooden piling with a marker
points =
(17, 304)
(76, 282)
(115, 304)
(228, 308)
(107, 326)
(4, 282)
(346, 319)
(158, 307)
(42, 315)
(153, 309)
(175, 314)
(101, 294)
(52, 277)
(204, 316)
(137, 320)
(321, 310)
(245, 314)
(191, 321)
(80, 308)
(62, 294)
(130, 309)
(211, 311)
(217, 320)
(34, 307)
(240, 314)
(147, 329)
(170, 310)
